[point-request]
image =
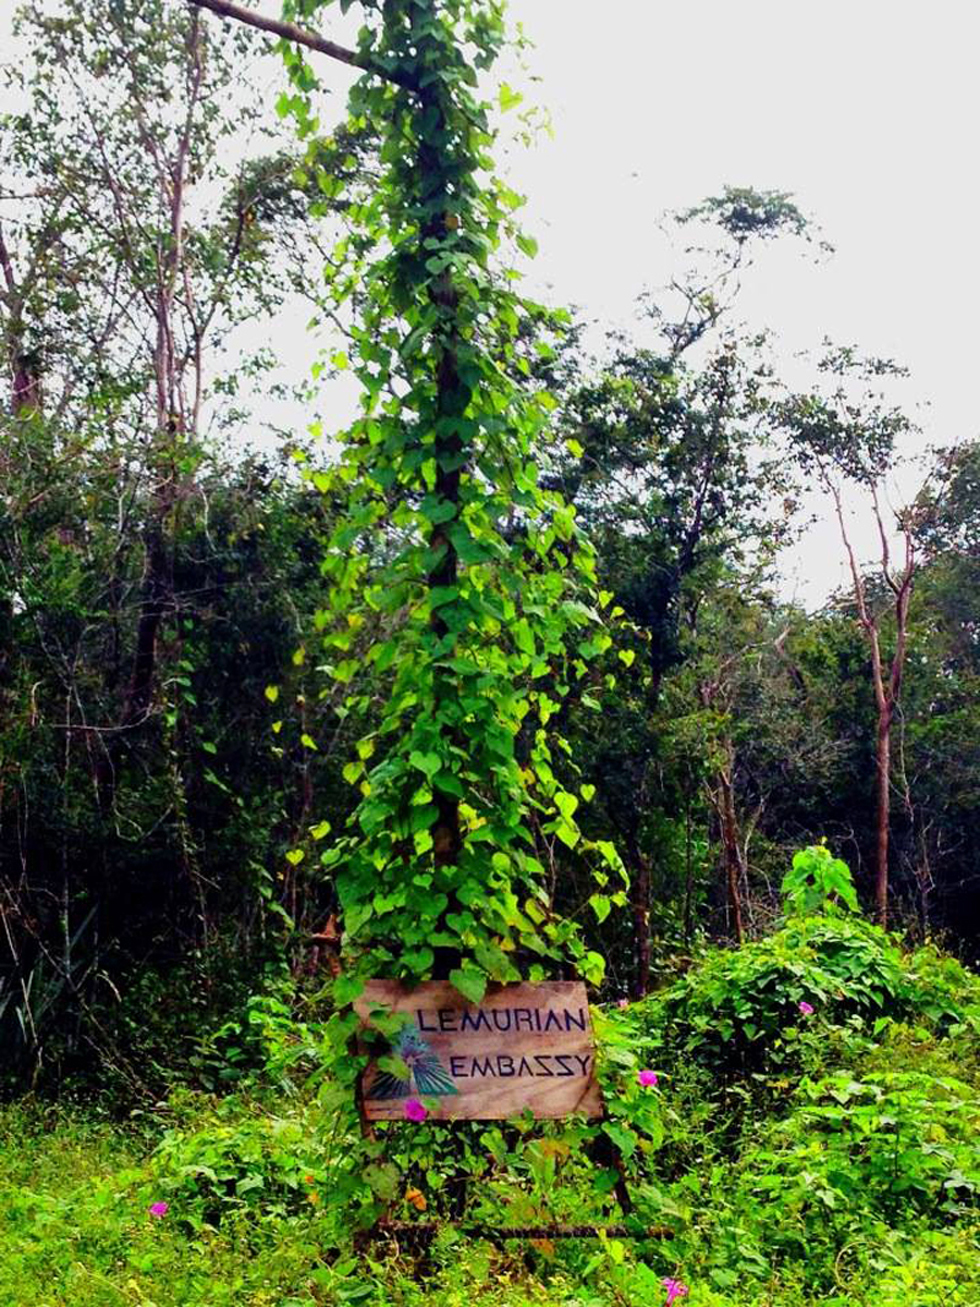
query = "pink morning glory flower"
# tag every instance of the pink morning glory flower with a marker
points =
(806, 1008)
(675, 1289)
(158, 1209)
(647, 1078)
(414, 1110)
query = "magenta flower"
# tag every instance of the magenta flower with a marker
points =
(647, 1078)
(806, 1008)
(623, 1002)
(675, 1289)
(414, 1110)
(158, 1209)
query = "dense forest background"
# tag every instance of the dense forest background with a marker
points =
(172, 753)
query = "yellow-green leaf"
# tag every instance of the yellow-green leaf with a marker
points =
(508, 98)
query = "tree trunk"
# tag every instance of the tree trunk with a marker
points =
(26, 393)
(888, 687)
(734, 868)
(688, 871)
(155, 598)
(641, 921)
(883, 764)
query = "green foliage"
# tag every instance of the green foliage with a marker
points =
(812, 1133)
(895, 1143)
(201, 807)
(818, 882)
(218, 799)
(150, 583)
(820, 1140)
(232, 1162)
(837, 431)
(745, 213)
(76, 1227)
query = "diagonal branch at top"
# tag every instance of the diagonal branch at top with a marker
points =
(312, 41)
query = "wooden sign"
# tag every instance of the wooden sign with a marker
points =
(523, 1047)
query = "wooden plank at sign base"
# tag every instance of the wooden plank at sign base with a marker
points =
(522, 1047)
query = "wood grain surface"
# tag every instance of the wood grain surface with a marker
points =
(523, 1047)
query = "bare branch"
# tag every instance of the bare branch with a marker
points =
(866, 620)
(290, 32)
(886, 562)
(903, 595)
(8, 268)
(779, 644)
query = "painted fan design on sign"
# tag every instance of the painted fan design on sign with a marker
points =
(426, 1074)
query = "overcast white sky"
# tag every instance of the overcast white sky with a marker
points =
(865, 109)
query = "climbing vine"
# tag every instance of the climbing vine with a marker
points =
(454, 582)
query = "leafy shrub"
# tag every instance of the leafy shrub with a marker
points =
(754, 1009)
(821, 1099)
(739, 1010)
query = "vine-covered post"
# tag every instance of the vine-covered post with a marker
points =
(459, 591)
(436, 219)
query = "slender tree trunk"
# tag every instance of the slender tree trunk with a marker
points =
(24, 372)
(883, 762)
(887, 683)
(26, 396)
(688, 870)
(155, 599)
(640, 904)
(734, 867)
